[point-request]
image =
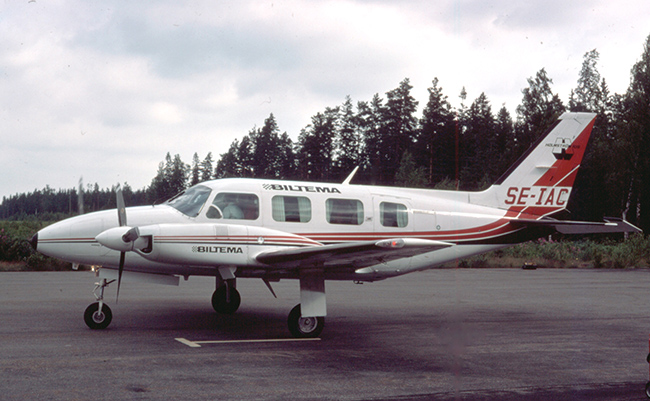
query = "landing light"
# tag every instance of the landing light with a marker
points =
(391, 243)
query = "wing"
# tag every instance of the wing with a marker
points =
(610, 225)
(351, 254)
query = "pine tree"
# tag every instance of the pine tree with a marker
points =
(400, 126)
(590, 192)
(637, 205)
(286, 158)
(371, 125)
(170, 179)
(408, 174)
(588, 95)
(157, 187)
(206, 168)
(506, 144)
(435, 142)
(478, 145)
(178, 176)
(348, 145)
(316, 146)
(264, 148)
(227, 164)
(538, 110)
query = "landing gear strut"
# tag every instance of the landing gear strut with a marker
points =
(98, 315)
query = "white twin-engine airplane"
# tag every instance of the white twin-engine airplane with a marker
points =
(273, 230)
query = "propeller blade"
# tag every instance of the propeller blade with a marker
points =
(130, 235)
(80, 196)
(119, 275)
(121, 209)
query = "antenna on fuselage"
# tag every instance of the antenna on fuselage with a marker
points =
(347, 180)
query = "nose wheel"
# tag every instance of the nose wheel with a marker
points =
(98, 315)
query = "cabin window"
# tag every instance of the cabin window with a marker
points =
(191, 201)
(295, 209)
(236, 206)
(393, 214)
(344, 211)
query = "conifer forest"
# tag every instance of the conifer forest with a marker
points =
(464, 147)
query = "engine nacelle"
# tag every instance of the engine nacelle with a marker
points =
(215, 244)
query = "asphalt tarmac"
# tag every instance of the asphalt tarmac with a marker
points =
(460, 334)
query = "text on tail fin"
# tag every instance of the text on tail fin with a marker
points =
(540, 182)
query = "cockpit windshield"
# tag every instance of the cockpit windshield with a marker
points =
(190, 201)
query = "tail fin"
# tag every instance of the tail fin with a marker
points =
(540, 182)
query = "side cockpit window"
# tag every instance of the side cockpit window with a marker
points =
(236, 206)
(344, 211)
(191, 201)
(393, 215)
(295, 209)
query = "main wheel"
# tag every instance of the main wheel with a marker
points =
(304, 327)
(95, 319)
(222, 304)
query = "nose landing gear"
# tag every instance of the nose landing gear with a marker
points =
(98, 315)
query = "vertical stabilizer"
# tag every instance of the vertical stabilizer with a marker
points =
(540, 182)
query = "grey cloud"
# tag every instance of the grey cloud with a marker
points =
(189, 49)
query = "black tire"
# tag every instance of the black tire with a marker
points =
(96, 320)
(222, 305)
(304, 327)
(647, 389)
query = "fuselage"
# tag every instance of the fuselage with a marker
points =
(229, 217)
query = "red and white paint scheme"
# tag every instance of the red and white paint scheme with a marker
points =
(312, 232)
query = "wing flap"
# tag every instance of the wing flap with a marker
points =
(352, 254)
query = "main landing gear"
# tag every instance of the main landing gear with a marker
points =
(226, 300)
(304, 327)
(98, 315)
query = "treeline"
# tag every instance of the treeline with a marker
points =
(50, 205)
(466, 147)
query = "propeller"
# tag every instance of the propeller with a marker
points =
(80, 209)
(122, 238)
(80, 196)
(121, 219)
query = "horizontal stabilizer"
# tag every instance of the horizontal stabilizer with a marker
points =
(609, 226)
(352, 254)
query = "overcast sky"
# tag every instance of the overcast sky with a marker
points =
(104, 89)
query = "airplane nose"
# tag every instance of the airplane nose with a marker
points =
(34, 241)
